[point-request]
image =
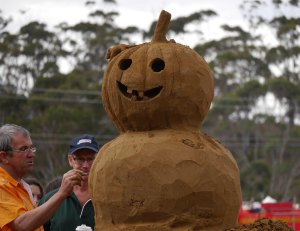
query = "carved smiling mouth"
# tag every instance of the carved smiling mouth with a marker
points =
(138, 95)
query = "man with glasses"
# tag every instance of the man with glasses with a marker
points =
(17, 209)
(77, 209)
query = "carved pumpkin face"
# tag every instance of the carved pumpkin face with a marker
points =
(157, 85)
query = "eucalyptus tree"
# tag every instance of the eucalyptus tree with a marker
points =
(31, 52)
(10, 102)
(69, 104)
(89, 41)
(180, 26)
(239, 72)
(9, 53)
(285, 59)
(62, 107)
(248, 69)
(274, 142)
(282, 57)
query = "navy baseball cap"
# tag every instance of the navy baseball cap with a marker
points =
(83, 142)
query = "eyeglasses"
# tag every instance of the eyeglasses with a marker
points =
(80, 161)
(24, 149)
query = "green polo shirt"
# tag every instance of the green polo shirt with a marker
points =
(69, 214)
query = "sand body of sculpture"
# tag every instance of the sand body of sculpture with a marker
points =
(161, 173)
(162, 180)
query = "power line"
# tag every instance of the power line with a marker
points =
(67, 91)
(65, 138)
(53, 99)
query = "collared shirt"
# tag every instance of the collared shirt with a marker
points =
(70, 214)
(14, 200)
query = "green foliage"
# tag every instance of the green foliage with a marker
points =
(283, 88)
(255, 180)
(247, 72)
(251, 90)
(178, 25)
(286, 26)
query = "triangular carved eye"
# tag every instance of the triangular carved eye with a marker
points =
(157, 65)
(124, 64)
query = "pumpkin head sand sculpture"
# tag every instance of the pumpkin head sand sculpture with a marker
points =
(157, 85)
(161, 173)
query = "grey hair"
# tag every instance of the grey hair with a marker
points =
(7, 131)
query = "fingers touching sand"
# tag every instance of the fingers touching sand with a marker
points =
(70, 179)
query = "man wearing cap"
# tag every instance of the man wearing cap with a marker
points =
(77, 209)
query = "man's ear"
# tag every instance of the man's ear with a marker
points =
(3, 157)
(70, 158)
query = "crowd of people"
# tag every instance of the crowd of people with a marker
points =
(63, 204)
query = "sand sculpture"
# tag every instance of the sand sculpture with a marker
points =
(161, 172)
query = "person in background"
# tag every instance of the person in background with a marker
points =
(77, 209)
(53, 184)
(36, 189)
(17, 211)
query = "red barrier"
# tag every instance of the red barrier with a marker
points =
(283, 211)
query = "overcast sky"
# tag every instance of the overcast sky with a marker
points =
(138, 13)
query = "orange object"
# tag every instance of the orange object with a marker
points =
(14, 200)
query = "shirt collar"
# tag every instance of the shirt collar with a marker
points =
(4, 175)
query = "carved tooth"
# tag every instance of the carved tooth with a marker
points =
(141, 94)
(129, 91)
(133, 97)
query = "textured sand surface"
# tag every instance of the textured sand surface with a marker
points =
(263, 225)
(161, 180)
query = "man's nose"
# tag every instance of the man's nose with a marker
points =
(86, 163)
(31, 154)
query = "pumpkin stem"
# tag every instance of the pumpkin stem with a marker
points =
(162, 27)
